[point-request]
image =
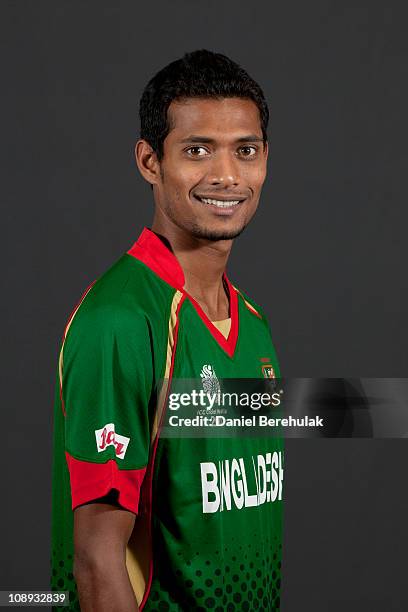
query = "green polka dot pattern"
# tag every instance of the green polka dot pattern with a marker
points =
(62, 579)
(240, 585)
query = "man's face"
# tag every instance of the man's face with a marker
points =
(213, 166)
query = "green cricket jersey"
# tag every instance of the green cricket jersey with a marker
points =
(207, 534)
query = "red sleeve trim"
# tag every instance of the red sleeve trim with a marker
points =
(90, 481)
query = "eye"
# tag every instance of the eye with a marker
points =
(247, 151)
(197, 151)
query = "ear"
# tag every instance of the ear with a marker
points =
(147, 162)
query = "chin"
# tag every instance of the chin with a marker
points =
(214, 233)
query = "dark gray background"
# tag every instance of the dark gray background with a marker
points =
(326, 255)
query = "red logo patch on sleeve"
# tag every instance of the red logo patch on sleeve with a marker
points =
(106, 436)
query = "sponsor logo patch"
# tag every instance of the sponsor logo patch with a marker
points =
(106, 436)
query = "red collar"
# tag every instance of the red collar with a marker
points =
(153, 252)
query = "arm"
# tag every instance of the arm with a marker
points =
(107, 381)
(101, 532)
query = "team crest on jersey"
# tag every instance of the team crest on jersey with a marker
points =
(209, 379)
(268, 371)
(106, 436)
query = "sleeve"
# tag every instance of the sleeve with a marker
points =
(274, 356)
(107, 382)
(264, 318)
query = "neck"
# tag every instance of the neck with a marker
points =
(203, 263)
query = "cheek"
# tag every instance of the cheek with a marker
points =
(255, 177)
(182, 178)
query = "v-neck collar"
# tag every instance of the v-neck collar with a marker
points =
(154, 253)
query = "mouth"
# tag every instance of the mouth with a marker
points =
(221, 203)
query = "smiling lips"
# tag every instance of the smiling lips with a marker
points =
(221, 203)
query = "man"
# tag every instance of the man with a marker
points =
(143, 521)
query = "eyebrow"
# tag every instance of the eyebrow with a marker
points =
(205, 139)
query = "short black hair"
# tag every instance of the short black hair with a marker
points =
(199, 74)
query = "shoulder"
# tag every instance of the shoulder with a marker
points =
(128, 299)
(250, 304)
(105, 306)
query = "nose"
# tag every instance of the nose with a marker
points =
(224, 171)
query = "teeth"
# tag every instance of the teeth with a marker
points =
(220, 203)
